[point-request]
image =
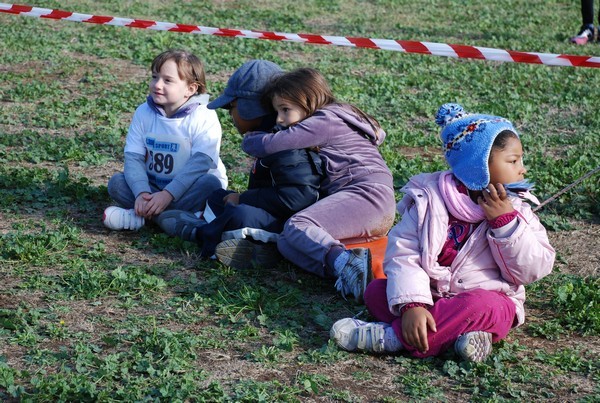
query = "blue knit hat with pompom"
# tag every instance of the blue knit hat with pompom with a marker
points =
(467, 142)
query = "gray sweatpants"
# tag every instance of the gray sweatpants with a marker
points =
(193, 200)
(358, 213)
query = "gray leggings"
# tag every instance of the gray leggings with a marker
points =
(358, 213)
(193, 200)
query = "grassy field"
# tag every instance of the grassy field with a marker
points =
(87, 314)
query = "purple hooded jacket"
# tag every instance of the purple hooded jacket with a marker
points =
(347, 144)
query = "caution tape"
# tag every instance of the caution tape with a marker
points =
(429, 48)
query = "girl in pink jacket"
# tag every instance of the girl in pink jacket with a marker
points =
(457, 262)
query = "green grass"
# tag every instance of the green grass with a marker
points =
(91, 315)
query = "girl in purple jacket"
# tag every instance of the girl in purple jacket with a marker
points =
(467, 243)
(359, 197)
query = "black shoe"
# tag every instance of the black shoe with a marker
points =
(245, 254)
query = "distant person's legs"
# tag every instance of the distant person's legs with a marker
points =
(586, 32)
(587, 12)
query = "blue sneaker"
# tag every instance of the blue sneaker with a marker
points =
(179, 223)
(356, 273)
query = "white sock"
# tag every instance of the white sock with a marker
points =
(391, 341)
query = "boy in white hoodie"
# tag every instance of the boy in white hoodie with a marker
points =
(172, 147)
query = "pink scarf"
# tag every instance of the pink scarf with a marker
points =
(459, 205)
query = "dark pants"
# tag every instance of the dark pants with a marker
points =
(231, 217)
(587, 12)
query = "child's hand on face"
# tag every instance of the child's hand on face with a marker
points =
(415, 322)
(494, 201)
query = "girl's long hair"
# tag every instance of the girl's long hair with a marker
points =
(307, 88)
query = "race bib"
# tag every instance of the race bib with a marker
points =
(166, 154)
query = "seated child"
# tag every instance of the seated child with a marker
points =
(457, 262)
(279, 184)
(358, 185)
(172, 147)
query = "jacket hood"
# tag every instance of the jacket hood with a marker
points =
(188, 107)
(348, 115)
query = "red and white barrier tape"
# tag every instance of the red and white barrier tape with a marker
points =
(431, 48)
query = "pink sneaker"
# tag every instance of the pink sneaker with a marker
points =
(585, 35)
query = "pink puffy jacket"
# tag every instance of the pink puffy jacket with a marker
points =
(500, 264)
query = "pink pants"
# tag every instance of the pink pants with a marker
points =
(488, 311)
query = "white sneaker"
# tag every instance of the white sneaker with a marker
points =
(117, 218)
(372, 337)
(474, 346)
